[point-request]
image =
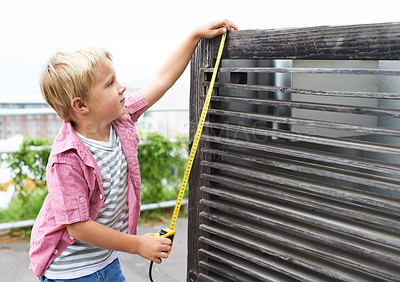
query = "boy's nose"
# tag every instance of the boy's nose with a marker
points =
(122, 89)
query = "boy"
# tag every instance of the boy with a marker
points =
(92, 209)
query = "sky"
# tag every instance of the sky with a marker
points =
(141, 34)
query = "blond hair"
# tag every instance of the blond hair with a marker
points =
(69, 75)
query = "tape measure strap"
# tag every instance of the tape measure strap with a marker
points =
(197, 136)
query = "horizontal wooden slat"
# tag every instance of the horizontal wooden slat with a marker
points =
(233, 251)
(236, 263)
(338, 142)
(309, 106)
(309, 154)
(327, 223)
(220, 271)
(306, 122)
(310, 201)
(304, 184)
(378, 182)
(358, 71)
(309, 238)
(291, 90)
(363, 42)
(292, 249)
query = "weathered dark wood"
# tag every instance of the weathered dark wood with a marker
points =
(276, 194)
(311, 106)
(380, 182)
(294, 196)
(219, 270)
(201, 59)
(245, 70)
(340, 142)
(353, 42)
(307, 122)
(234, 263)
(267, 237)
(290, 90)
(195, 90)
(308, 154)
(311, 186)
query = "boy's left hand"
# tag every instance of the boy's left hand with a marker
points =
(212, 29)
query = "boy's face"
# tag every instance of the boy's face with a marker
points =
(107, 101)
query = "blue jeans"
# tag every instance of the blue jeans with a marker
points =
(111, 273)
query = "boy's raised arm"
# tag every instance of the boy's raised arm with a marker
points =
(176, 63)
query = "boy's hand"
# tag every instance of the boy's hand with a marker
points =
(154, 248)
(176, 63)
(212, 29)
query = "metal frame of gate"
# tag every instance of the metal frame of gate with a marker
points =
(297, 177)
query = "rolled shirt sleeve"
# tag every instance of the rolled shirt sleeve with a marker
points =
(136, 105)
(68, 191)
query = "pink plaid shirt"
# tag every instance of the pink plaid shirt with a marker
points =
(76, 187)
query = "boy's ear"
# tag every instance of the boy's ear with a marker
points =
(79, 106)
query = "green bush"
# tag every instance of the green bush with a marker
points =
(28, 173)
(161, 165)
(30, 161)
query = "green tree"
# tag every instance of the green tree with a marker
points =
(162, 164)
(29, 175)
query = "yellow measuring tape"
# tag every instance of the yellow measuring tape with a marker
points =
(170, 232)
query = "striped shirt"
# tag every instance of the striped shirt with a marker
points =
(81, 259)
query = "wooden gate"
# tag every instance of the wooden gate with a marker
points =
(298, 171)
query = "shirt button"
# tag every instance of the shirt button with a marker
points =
(101, 196)
(133, 160)
(55, 251)
(72, 238)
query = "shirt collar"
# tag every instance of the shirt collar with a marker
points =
(68, 139)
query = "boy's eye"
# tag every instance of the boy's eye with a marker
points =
(111, 82)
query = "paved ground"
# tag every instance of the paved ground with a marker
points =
(14, 259)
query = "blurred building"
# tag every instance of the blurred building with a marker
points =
(27, 115)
